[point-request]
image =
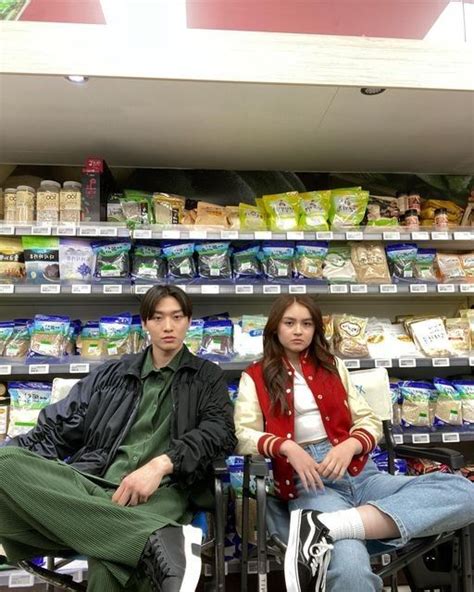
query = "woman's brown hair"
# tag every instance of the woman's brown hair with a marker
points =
(275, 373)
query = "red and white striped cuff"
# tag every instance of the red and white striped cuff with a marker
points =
(365, 438)
(269, 445)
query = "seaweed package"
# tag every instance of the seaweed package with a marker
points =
(179, 256)
(49, 337)
(75, 260)
(418, 398)
(217, 342)
(136, 207)
(282, 211)
(314, 210)
(214, 260)
(350, 338)
(251, 217)
(12, 260)
(338, 266)
(27, 399)
(72, 336)
(19, 343)
(448, 408)
(277, 260)
(41, 258)
(148, 262)
(89, 342)
(348, 206)
(425, 265)
(194, 334)
(370, 263)
(465, 388)
(115, 335)
(168, 208)
(111, 260)
(6, 332)
(245, 262)
(137, 335)
(309, 259)
(401, 261)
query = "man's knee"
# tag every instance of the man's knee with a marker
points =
(350, 568)
(11, 463)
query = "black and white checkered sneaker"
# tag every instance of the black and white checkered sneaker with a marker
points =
(308, 553)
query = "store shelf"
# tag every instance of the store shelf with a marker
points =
(18, 578)
(451, 435)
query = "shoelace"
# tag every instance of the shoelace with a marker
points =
(321, 553)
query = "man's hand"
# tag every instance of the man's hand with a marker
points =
(138, 486)
(337, 460)
(304, 465)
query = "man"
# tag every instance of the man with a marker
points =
(112, 470)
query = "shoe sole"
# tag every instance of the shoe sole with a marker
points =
(192, 543)
(291, 556)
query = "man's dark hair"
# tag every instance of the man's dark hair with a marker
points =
(157, 293)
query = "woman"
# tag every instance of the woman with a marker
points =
(298, 407)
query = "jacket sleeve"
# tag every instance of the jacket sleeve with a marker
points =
(193, 453)
(366, 426)
(249, 423)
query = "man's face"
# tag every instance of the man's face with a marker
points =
(168, 325)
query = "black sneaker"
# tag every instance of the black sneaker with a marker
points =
(308, 553)
(171, 558)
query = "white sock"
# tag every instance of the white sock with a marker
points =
(344, 524)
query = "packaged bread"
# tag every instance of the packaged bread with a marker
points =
(211, 215)
(370, 263)
(168, 208)
(350, 338)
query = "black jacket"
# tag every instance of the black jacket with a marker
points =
(87, 427)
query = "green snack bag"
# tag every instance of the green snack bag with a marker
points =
(348, 206)
(314, 210)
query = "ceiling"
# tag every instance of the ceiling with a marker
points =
(236, 126)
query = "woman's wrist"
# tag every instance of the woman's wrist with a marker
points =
(355, 445)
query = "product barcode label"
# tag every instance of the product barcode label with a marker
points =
(87, 231)
(297, 289)
(210, 289)
(324, 235)
(66, 230)
(471, 361)
(199, 234)
(338, 289)
(466, 288)
(108, 231)
(420, 236)
(112, 289)
(7, 229)
(295, 235)
(41, 230)
(462, 236)
(7, 288)
(418, 288)
(79, 368)
(440, 236)
(244, 289)
(440, 362)
(354, 235)
(142, 233)
(50, 289)
(230, 234)
(407, 363)
(38, 369)
(388, 289)
(383, 363)
(21, 580)
(271, 289)
(143, 289)
(81, 289)
(420, 438)
(398, 438)
(5, 369)
(171, 234)
(359, 289)
(391, 236)
(263, 235)
(450, 437)
(352, 364)
(446, 288)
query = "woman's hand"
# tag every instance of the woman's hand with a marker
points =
(304, 464)
(337, 460)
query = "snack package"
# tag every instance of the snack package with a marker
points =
(136, 207)
(309, 259)
(328, 325)
(314, 210)
(49, 336)
(12, 261)
(338, 267)
(251, 217)
(277, 260)
(246, 263)
(41, 258)
(459, 335)
(27, 399)
(179, 256)
(465, 388)
(448, 408)
(211, 215)
(382, 211)
(75, 260)
(248, 337)
(401, 261)
(72, 336)
(424, 269)
(148, 262)
(111, 260)
(19, 343)
(379, 343)
(61, 388)
(217, 343)
(403, 344)
(6, 332)
(214, 260)
(115, 335)
(467, 262)
(370, 263)
(431, 205)
(350, 338)
(137, 335)
(89, 342)
(469, 315)
(417, 398)
(232, 215)
(430, 337)
(397, 401)
(348, 207)
(193, 339)
(282, 211)
(168, 208)
(450, 268)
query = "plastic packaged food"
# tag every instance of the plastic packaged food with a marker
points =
(9, 205)
(328, 325)
(214, 260)
(370, 263)
(75, 260)
(111, 260)
(403, 344)
(338, 267)
(450, 268)
(465, 388)
(430, 337)
(248, 336)
(148, 262)
(27, 399)
(12, 261)
(309, 259)
(217, 343)
(179, 256)
(412, 220)
(467, 262)
(424, 268)
(418, 401)
(277, 260)
(47, 202)
(401, 261)
(348, 206)
(6, 332)
(18, 344)
(136, 207)
(89, 342)
(379, 342)
(70, 202)
(49, 336)
(115, 335)
(459, 335)
(314, 210)
(441, 219)
(469, 315)
(193, 339)
(211, 215)
(232, 215)
(282, 211)
(41, 258)
(24, 205)
(61, 388)
(382, 211)
(448, 408)
(168, 208)
(245, 262)
(430, 206)
(251, 217)
(350, 338)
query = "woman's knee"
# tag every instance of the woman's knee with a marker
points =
(350, 568)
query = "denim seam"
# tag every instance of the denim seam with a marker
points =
(404, 538)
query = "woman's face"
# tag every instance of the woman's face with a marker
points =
(296, 329)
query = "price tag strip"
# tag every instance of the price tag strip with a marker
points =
(271, 289)
(7, 230)
(230, 234)
(7, 288)
(108, 231)
(244, 289)
(358, 236)
(338, 289)
(398, 438)
(198, 234)
(5, 370)
(420, 438)
(112, 289)
(263, 235)
(143, 233)
(352, 364)
(50, 289)
(467, 288)
(41, 230)
(142, 289)
(79, 368)
(383, 363)
(325, 235)
(407, 363)
(172, 234)
(66, 230)
(418, 288)
(358, 289)
(440, 236)
(447, 438)
(81, 289)
(210, 289)
(388, 288)
(88, 231)
(440, 362)
(297, 290)
(21, 580)
(446, 288)
(391, 236)
(420, 236)
(38, 369)
(295, 235)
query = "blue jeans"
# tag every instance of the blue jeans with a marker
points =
(420, 506)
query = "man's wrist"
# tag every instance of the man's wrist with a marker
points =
(163, 464)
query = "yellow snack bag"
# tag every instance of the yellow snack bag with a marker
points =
(282, 210)
(251, 218)
(314, 210)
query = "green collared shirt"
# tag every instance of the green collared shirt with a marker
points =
(149, 435)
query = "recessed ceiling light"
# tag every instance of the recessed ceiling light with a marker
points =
(77, 79)
(372, 90)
